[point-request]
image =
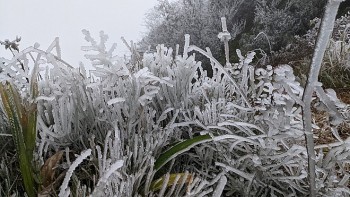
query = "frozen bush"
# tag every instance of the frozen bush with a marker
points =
(126, 114)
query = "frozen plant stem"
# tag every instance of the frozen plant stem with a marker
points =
(225, 36)
(65, 190)
(321, 45)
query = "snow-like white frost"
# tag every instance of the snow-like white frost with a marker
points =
(325, 32)
(220, 187)
(115, 100)
(128, 111)
(114, 167)
(333, 97)
(240, 173)
(45, 98)
(64, 190)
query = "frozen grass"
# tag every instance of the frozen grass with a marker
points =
(238, 133)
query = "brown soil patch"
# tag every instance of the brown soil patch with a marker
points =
(343, 94)
(323, 133)
(321, 118)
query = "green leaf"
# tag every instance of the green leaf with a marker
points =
(179, 149)
(23, 128)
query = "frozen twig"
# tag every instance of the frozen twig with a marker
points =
(225, 36)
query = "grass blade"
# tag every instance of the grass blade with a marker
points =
(174, 179)
(180, 148)
(23, 128)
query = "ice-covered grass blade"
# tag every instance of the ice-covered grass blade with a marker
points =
(65, 190)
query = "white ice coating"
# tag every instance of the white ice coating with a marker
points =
(64, 190)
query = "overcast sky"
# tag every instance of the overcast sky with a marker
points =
(43, 20)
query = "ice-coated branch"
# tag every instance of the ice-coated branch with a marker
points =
(223, 23)
(187, 44)
(225, 36)
(321, 45)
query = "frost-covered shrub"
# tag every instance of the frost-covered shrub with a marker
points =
(281, 20)
(335, 68)
(338, 47)
(123, 117)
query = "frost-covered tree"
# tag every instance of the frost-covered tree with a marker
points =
(168, 22)
(237, 12)
(280, 20)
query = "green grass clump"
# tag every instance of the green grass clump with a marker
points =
(22, 116)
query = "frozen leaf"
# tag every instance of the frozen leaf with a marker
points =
(220, 187)
(64, 189)
(45, 98)
(115, 100)
(48, 170)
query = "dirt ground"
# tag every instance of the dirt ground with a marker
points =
(321, 119)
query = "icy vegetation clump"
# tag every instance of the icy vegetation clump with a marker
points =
(160, 126)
